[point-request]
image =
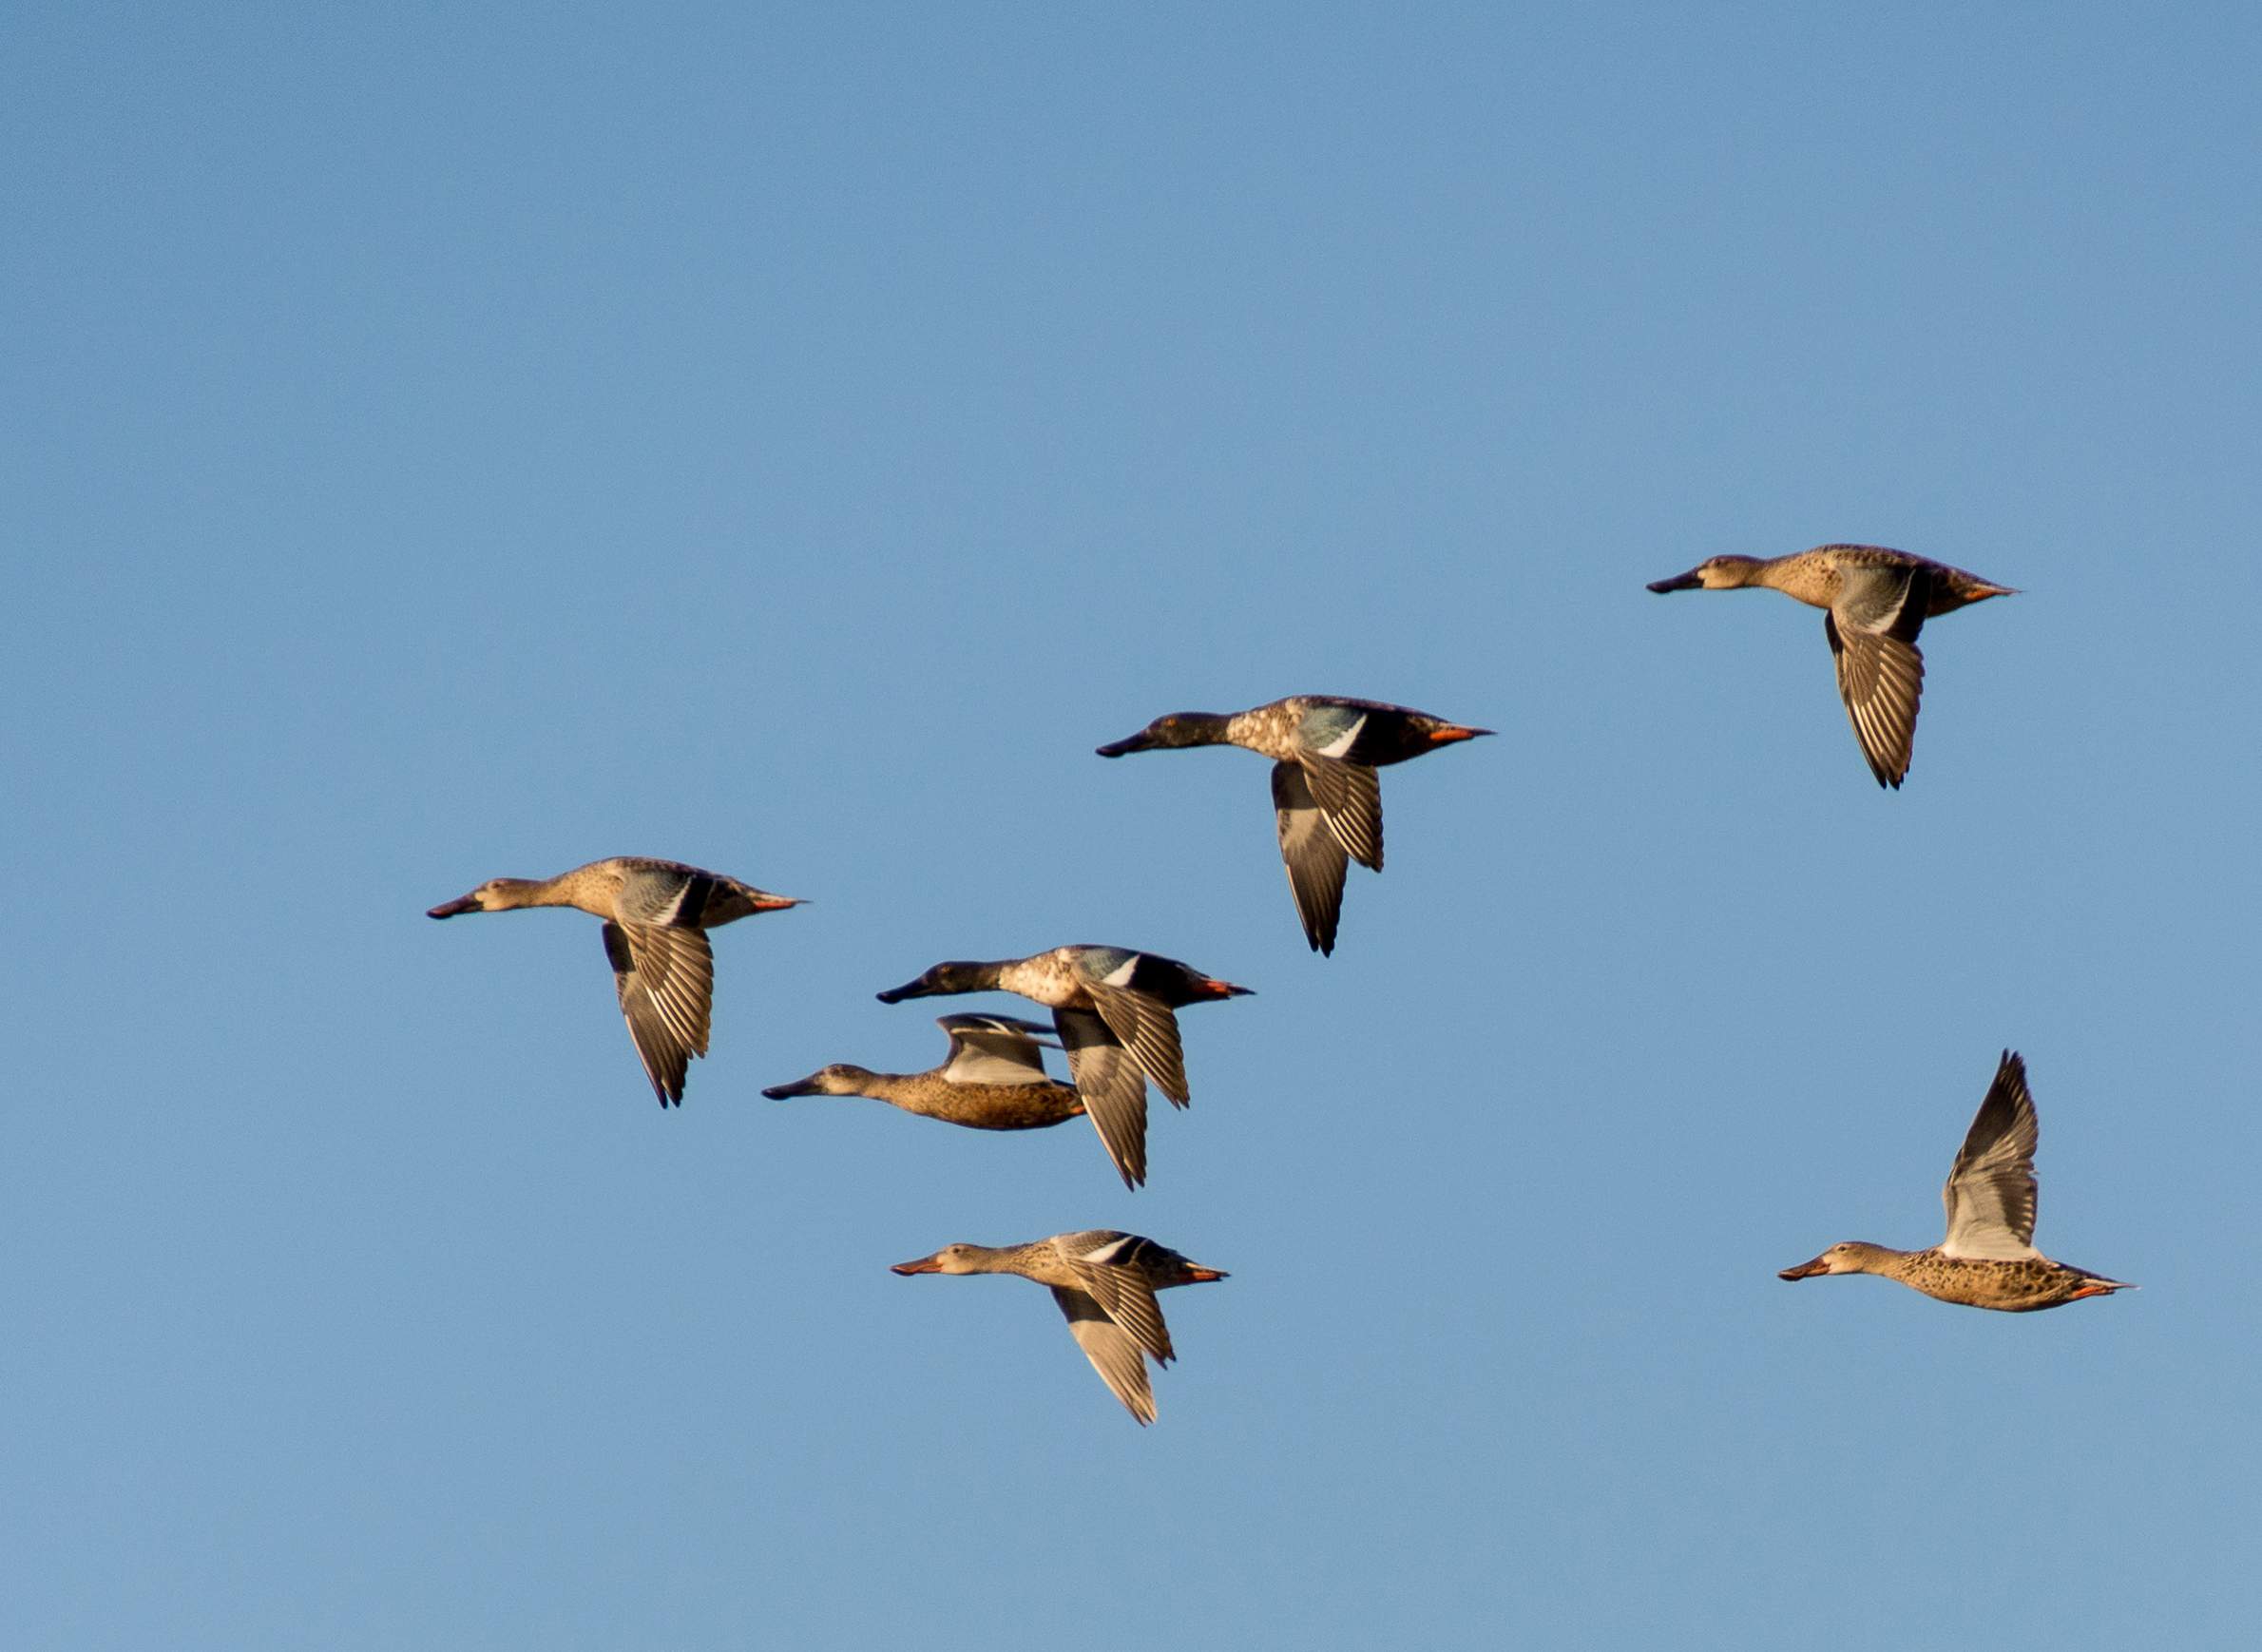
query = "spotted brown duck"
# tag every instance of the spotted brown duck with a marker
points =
(1874, 602)
(993, 1079)
(1987, 1259)
(1327, 799)
(1104, 1282)
(656, 915)
(1112, 1007)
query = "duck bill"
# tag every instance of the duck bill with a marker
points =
(776, 903)
(798, 1087)
(1123, 748)
(1447, 735)
(1806, 1270)
(1680, 582)
(919, 1265)
(448, 908)
(918, 989)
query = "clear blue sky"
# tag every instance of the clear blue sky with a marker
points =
(473, 441)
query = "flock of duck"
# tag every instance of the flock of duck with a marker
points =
(1114, 1009)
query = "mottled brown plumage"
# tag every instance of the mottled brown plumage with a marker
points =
(656, 915)
(993, 1079)
(1327, 798)
(1987, 1259)
(1112, 1007)
(1874, 602)
(1104, 1282)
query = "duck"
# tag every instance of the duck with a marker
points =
(657, 913)
(993, 1079)
(1327, 801)
(1987, 1259)
(1113, 1009)
(1104, 1282)
(1874, 602)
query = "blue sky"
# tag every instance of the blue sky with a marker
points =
(474, 442)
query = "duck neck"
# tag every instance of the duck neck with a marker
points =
(1203, 728)
(993, 1258)
(1882, 1260)
(897, 1089)
(513, 892)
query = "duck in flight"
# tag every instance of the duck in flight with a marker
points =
(1987, 1259)
(657, 914)
(1113, 1009)
(1327, 801)
(1104, 1282)
(1874, 602)
(993, 1079)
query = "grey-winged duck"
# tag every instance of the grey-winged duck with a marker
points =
(1987, 1259)
(1104, 1282)
(1327, 801)
(1112, 1007)
(1874, 602)
(656, 915)
(993, 1079)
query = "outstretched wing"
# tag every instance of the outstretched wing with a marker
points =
(1872, 630)
(1114, 1090)
(1349, 795)
(1313, 855)
(1112, 1352)
(1991, 1193)
(1148, 1027)
(994, 1050)
(667, 982)
(1107, 1266)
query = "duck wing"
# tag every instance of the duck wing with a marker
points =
(667, 892)
(1146, 1026)
(1106, 1265)
(665, 977)
(1313, 855)
(1872, 628)
(1350, 796)
(1114, 1354)
(1113, 1086)
(994, 1050)
(1991, 1193)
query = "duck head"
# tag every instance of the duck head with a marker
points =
(1715, 573)
(950, 1259)
(1180, 728)
(959, 976)
(840, 1079)
(496, 894)
(1852, 1257)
